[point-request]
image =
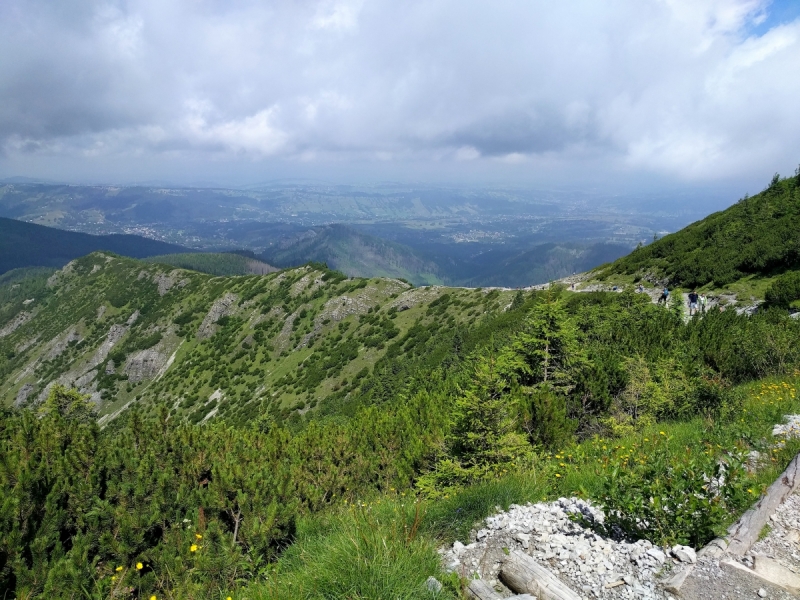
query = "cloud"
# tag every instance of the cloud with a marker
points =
(679, 88)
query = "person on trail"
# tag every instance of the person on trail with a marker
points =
(664, 297)
(640, 289)
(693, 297)
(703, 303)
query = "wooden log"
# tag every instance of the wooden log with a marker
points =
(480, 590)
(744, 533)
(525, 576)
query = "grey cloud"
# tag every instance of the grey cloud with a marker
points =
(643, 86)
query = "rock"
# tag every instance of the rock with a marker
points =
(458, 547)
(762, 593)
(675, 582)
(222, 307)
(433, 585)
(482, 533)
(657, 554)
(110, 368)
(684, 554)
(22, 395)
(523, 538)
(144, 364)
(15, 323)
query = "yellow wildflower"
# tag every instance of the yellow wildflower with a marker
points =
(193, 548)
(139, 566)
(118, 569)
(558, 474)
(198, 536)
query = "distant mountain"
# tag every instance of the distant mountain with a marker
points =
(546, 262)
(757, 236)
(353, 253)
(29, 245)
(216, 263)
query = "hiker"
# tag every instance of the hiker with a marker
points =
(692, 302)
(640, 289)
(664, 297)
(703, 303)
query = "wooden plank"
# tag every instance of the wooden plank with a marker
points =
(744, 533)
(480, 590)
(525, 576)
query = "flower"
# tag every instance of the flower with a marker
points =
(153, 598)
(193, 548)
(661, 433)
(139, 566)
(118, 569)
(558, 474)
(198, 536)
(113, 578)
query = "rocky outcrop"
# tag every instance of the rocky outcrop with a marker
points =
(223, 307)
(22, 395)
(114, 335)
(144, 364)
(166, 282)
(15, 323)
(61, 344)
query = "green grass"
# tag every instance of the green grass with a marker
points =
(385, 547)
(362, 551)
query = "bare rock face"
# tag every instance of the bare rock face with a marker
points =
(114, 335)
(144, 364)
(22, 395)
(15, 323)
(164, 282)
(60, 345)
(223, 307)
(110, 368)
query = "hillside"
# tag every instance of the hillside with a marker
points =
(120, 330)
(756, 237)
(248, 436)
(354, 253)
(216, 263)
(29, 245)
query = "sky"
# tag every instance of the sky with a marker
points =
(651, 94)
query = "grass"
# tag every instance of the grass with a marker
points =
(385, 547)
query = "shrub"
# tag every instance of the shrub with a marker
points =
(785, 291)
(668, 498)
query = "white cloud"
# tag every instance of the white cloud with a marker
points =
(674, 87)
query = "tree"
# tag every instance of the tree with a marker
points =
(484, 439)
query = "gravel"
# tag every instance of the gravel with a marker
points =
(592, 565)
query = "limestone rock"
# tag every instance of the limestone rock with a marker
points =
(684, 554)
(144, 364)
(222, 307)
(22, 395)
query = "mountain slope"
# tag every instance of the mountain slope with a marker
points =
(757, 236)
(29, 245)
(354, 253)
(237, 347)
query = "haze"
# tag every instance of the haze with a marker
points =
(645, 94)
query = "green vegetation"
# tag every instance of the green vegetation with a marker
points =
(355, 253)
(757, 236)
(215, 263)
(29, 245)
(303, 434)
